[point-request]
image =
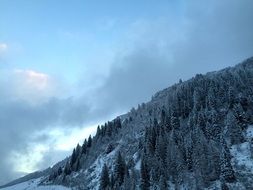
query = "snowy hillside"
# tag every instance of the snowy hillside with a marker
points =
(34, 184)
(196, 134)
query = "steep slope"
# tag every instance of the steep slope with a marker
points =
(193, 135)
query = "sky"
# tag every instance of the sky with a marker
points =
(67, 66)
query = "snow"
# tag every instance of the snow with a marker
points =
(76, 174)
(215, 185)
(241, 153)
(138, 165)
(98, 165)
(242, 156)
(33, 185)
(249, 132)
(135, 156)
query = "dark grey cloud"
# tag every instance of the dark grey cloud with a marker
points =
(134, 79)
(219, 34)
(201, 37)
(206, 36)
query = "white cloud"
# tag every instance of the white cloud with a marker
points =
(3, 47)
(76, 135)
(27, 163)
(29, 85)
(59, 141)
(34, 80)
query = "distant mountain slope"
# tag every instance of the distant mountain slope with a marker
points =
(35, 175)
(195, 134)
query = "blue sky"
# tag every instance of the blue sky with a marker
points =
(64, 38)
(67, 66)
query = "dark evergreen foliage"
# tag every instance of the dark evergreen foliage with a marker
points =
(119, 169)
(89, 142)
(227, 172)
(145, 176)
(104, 179)
(67, 169)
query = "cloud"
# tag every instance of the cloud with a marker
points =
(134, 79)
(32, 85)
(33, 79)
(8, 53)
(29, 85)
(48, 146)
(3, 51)
(29, 133)
(206, 36)
(218, 34)
(3, 47)
(31, 110)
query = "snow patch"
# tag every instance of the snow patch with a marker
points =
(214, 186)
(97, 166)
(242, 156)
(138, 165)
(249, 132)
(135, 156)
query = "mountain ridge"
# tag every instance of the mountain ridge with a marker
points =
(181, 112)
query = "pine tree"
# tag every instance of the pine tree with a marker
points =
(175, 161)
(168, 123)
(200, 156)
(84, 147)
(117, 123)
(77, 165)
(67, 169)
(201, 123)
(103, 129)
(151, 140)
(240, 116)
(78, 150)
(231, 97)
(163, 183)
(104, 179)
(211, 100)
(89, 142)
(119, 169)
(175, 124)
(127, 182)
(160, 150)
(163, 117)
(133, 179)
(189, 157)
(73, 158)
(234, 130)
(109, 129)
(59, 170)
(145, 178)
(98, 131)
(112, 181)
(197, 99)
(227, 172)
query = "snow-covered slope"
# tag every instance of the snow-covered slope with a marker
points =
(34, 185)
(200, 122)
